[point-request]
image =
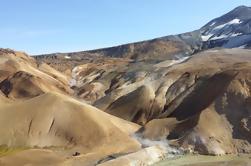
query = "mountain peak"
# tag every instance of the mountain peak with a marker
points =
(241, 7)
(240, 12)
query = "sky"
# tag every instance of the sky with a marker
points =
(48, 26)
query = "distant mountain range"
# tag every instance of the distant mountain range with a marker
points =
(228, 31)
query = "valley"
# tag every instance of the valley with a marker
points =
(184, 99)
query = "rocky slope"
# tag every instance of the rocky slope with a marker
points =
(177, 97)
(210, 85)
(175, 77)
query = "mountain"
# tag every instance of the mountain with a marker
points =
(169, 47)
(188, 77)
(230, 30)
(131, 104)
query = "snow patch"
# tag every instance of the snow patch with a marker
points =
(206, 37)
(236, 34)
(213, 24)
(234, 21)
(219, 37)
(67, 57)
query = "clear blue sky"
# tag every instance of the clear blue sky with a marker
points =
(44, 26)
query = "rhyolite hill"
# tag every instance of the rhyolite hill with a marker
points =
(191, 90)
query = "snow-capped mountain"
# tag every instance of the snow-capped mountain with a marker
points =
(230, 30)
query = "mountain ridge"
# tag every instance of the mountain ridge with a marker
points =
(185, 43)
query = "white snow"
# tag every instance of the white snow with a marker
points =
(212, 35)
(234, 21)
(219, 37)
(225, 36)
(67, 57)
(236, 34)
(213, 24)
(206, 37)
